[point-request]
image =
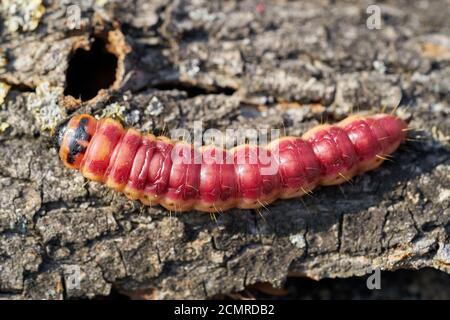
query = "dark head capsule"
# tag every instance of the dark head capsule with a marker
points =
(59, 133)
(72, 138)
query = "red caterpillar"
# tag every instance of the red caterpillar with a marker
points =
(142, 166)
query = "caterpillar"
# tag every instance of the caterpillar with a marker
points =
(142, 166)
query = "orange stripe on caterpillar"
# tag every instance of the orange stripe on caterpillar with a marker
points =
(212, 179)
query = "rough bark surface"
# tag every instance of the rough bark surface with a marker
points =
(231, 64)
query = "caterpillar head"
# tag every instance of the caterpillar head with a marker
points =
(72, 138)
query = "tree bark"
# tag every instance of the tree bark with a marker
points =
(231, 64)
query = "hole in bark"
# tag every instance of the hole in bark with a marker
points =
(90, 71)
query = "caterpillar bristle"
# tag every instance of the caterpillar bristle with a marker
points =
(213, 217)
(382, 139)
(416, 139)
(263, 205)
(219, 211)
(284, 127)
(394, 110)
(342, 191)
(304, 205)
(261, 215)
(347, 179)
(384, 158)
(307, 192)
(409, 128)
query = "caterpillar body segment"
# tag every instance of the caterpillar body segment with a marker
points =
(214, 179)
